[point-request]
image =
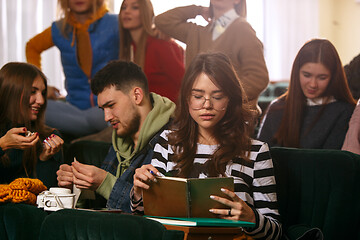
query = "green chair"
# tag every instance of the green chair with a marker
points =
(20, 221)
(272, 91)
(80, 224)
(89, 152)
(318, 189)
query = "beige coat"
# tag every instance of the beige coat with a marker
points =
(239, 42)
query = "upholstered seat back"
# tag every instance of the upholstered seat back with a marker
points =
(20, 221)
(319, 189)
(80, 224)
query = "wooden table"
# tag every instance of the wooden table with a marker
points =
(209, 233)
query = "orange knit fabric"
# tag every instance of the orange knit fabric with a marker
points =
(21, 190)
(24, 196)
(33, 185)
(4, 193)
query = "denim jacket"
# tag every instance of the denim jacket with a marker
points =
(120, 194)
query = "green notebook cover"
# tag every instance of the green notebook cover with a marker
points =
(185, 197)
(204, 222)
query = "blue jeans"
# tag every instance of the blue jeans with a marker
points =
(71, 120)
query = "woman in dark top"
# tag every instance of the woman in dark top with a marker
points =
(28, 148)
(316, 109)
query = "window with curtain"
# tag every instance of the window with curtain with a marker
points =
(288, 24)
(282, 25)
(20, 20)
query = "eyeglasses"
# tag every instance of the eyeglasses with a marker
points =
(197, 102)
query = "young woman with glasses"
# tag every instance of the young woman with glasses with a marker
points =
(210, 137)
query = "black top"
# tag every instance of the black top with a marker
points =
(45, 170)
(327, 133)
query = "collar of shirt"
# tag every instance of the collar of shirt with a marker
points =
(319, 101)
(223, 22)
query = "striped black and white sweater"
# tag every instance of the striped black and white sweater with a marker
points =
(254, 182)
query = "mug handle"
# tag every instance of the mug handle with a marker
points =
(50, 205)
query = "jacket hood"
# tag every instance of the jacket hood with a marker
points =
(160, 115)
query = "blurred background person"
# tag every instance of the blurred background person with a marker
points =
(227, 32)
(352, 138)
(162, 60)
(88, 38)
(352, 71)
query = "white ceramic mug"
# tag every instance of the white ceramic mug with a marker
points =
(55, 199)
(40, 200)
(60, 191)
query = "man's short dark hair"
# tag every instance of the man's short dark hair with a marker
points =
(121, 74)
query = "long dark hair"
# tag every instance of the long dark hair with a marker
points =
(16, 81)
(315, 51)
(233, 130)
(146, 15)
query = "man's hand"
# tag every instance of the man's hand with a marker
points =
(65, 176)
(87, 176)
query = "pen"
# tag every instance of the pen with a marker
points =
(158, 174)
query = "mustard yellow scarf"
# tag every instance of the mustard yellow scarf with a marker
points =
(80, 32)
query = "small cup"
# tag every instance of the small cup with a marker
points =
(58, 198)
(60, 191)
(40, 200)
(54, 203)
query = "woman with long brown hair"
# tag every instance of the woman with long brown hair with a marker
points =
(210, 137)
(316, 109)
(162, 60)
(28, 148)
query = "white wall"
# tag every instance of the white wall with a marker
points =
(339, 21)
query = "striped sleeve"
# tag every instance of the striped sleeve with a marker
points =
(136, 206)
(264, 195)
(162, 151)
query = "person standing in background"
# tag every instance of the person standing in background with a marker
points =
(88, 38)
(227, 32)
(162, 60)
